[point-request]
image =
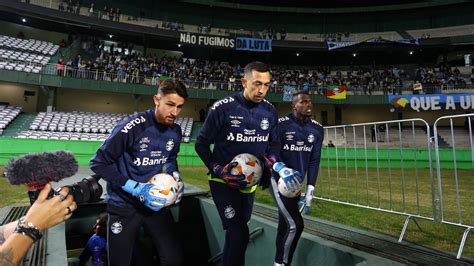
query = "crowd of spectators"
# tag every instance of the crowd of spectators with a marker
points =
(74, 6)
(112, 14)
(273, 34)
(442, 76)
(334, 36)
(176, 26)
(71, 6)
(362, 80)
(204, 29)
(137, 69)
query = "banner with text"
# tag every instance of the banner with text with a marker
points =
(252, 44)
(188, 38)
(433, 102)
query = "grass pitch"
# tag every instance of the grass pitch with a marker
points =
(363, 189)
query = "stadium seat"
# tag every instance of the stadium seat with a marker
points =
(83, 126)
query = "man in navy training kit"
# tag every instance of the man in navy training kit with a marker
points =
(140, 147)
(296, 143)
(237, 124)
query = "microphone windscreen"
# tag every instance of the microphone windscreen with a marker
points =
(41, 168)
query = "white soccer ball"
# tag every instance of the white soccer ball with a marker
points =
(289, 193)
(248, 165)
(165, 187)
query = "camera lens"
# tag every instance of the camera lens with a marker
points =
(86, 190)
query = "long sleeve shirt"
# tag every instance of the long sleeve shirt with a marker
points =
(298, 144)
(235, 125)
(138, 148)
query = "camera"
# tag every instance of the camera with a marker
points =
(86, 190)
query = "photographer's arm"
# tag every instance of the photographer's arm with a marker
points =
(43, 214)
(104, 162)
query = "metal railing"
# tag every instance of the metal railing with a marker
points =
(387, 166)
(153, 80)
(384, 166)
(455, 202)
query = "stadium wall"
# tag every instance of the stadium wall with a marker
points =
(68, 100)
(381, 158)
(14, 94)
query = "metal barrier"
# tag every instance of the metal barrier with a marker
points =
(384, 166)
(456, 202)
(120, 76)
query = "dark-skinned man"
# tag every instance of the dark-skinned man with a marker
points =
(296, 146)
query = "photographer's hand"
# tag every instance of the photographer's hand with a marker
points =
(46, 213)
(43, 214)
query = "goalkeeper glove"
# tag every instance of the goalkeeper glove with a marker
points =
(305, 201)
(142, 192)
(178, 179)
(235, 181)
(291, 178)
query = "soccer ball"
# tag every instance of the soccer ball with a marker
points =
(248, 165)
(165, 187)
(289, 193)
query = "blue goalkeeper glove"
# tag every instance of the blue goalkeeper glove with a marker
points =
(290, 177)
(235, 181)
(142, 192)
(178, 179)
(305, 201)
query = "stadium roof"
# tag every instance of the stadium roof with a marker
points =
(322, 3)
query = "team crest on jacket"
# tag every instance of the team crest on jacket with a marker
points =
(116, 228)
(229, 212)
(169, 145)
(265, 124)
(143, 147)
(310, 138)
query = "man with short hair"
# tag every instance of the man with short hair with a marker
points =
(237, 124)
(296, 144)
(140, 147)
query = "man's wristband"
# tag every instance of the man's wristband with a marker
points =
(27, 228)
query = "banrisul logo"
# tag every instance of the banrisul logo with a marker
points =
(292, 147)
(137, 162)
(239, 137)
(133, 123)
(230, 137)
(145, 161)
